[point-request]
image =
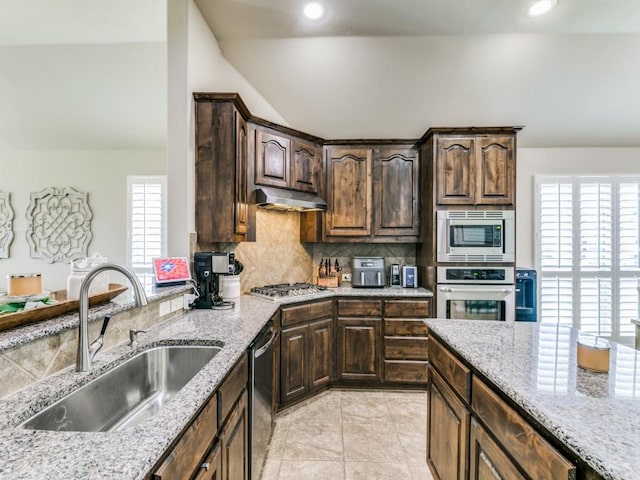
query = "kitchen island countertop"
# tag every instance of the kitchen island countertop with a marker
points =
(596, 415)
(131, 453)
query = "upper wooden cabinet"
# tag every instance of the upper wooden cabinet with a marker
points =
(223, 211)
(287, 162)
(475, 166)
(348, 192)
(395, 192)
(372, 194)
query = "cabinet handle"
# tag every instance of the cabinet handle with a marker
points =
(205, 466)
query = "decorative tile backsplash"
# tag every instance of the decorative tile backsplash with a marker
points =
(277, 256)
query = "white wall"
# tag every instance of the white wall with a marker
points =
(101, 173)
(195, 65)
(560, 161)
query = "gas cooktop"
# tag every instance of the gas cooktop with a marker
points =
(282, 290)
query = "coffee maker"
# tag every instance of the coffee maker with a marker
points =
(208, 266)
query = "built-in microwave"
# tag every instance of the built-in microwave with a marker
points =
(475, 236)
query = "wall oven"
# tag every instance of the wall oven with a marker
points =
(475, 236)
(484, 293)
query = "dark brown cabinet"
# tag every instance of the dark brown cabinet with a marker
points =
(273, 159)
(234, 442)
(287, 162)
(447, 430)
(306, 350)
(475, 170)
(405, 341)
(372, 193)
(395, 193)
(348, 191)
(359, 354)
(487, 460)
(211, 467)
(223, 210)
(205, 451)
(473, 433)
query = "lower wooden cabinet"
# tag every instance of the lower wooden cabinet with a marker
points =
(211, 467)
(234, 441)
(487, 460)
(185, 457)
(205, 451)
(359, 349)
(473, 433)
(447, 430)
(306, 350)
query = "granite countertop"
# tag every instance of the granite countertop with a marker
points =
(130, 454)
(597, 415)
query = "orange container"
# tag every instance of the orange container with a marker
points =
(19, 285)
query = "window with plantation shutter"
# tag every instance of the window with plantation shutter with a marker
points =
(588, 235)
(146, 223)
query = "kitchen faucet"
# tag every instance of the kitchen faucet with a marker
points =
(87, 352)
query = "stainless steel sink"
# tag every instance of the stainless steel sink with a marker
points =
(127, 395)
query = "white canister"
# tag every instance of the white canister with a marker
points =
(231, 286)
(79, 269)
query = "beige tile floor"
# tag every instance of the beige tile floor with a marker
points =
(351, 435)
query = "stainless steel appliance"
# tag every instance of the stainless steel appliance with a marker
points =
(208, 266)
(482, 293)
(368, 272)
(475, 236)
(283, 290)
(261, 353)
(526, 295)
(396, 279)
(410, 276)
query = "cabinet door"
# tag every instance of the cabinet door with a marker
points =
(455, 171)
(395, 193)
(272, 159)
(241, 198)
(495, 177)
(348, 192)
(487, 460)
(293, 362)
(234, 440)
(320, 353)
(211, 468)
(306, 167)
(360, 349)
(447, 430)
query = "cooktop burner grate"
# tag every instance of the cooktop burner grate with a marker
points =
(281, 290)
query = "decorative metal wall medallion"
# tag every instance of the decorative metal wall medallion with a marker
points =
(6, 224)
(59, 224)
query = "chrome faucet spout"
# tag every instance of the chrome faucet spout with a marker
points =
(85, 354)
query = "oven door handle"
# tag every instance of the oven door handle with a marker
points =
(476, 290)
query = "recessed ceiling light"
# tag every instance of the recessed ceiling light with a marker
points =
(541, 7)
(313, 11)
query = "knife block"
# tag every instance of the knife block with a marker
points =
(330, 281)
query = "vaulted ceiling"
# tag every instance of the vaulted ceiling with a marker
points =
(375, 68)
(368, 69)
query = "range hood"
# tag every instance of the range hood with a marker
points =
(280, 199)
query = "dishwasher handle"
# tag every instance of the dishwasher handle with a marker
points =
(261, 351)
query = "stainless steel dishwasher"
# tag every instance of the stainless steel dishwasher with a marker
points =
(261, 397)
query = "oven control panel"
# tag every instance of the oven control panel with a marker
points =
(502, 275)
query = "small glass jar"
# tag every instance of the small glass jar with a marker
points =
(19, 285)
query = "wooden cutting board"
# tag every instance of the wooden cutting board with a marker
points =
(13, 320)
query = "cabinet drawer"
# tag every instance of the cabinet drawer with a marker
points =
(188, 452)
(450, 368)
(405, 327)
(306, 313)
(232, 387)
(211, 467)
(532, 452)
(359, 308)
(407, 308)
(405, 348)
(405, 371)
